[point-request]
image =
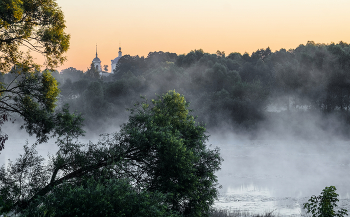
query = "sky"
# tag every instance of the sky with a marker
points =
(140, 26)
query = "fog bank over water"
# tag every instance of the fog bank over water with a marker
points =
(291, 168)
(287, 161)
(291, 157)
(17, 139)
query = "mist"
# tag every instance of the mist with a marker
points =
(281, 119)
(279, 175)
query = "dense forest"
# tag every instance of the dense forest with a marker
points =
(239, 91)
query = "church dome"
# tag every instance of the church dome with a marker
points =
(96, 59)
(116, 60)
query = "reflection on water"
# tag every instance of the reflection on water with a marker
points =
(258, 201)
(279, 176)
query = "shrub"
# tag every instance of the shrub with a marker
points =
(324, 204)
(111, 197)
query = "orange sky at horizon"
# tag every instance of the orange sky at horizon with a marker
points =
(184, 25)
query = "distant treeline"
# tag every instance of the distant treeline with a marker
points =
(234, 89)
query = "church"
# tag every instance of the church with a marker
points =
(104, 72)
(116, 60)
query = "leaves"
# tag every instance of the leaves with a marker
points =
(22, 179)
(160, 150)
(35, 25)
(173, 154)
(324, 205)
(100, 197)
(50, 91)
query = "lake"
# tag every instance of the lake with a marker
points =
(261, 176)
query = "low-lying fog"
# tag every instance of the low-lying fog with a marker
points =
(287, 163)
(266, 175)
(270, 173)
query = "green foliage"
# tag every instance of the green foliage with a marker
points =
(161, 150)
(39, 27)
(22, 178)
(139, 65)
(71, 73)
(100, 198)
(234, 89)
(33, 97)
(50, 91)
(28, 175)
(92, 72)
(173, 147)
(36, 25)
(324, 205)
(42, 123)
(68, 126)
(190, 58)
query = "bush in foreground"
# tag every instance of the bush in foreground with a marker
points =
(100, 198)
(324, 205)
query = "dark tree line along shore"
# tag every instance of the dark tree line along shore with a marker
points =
(233, 90)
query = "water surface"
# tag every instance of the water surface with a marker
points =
(261, 176)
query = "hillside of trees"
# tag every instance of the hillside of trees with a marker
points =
(235, 90)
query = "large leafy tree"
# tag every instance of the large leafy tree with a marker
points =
(36, 26)
(160, 149)
(174, 155)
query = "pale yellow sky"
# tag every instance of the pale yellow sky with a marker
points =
(181, 26)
